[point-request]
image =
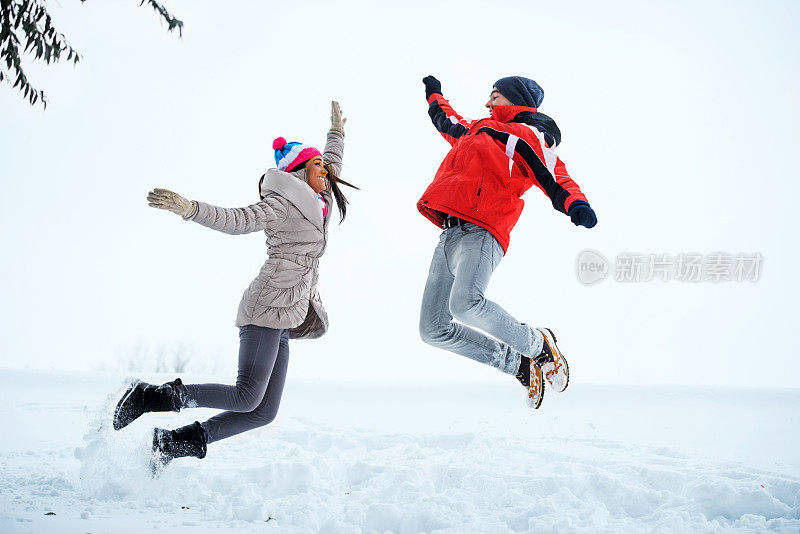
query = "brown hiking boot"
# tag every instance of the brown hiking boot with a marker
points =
(551, 360)
(530, 376)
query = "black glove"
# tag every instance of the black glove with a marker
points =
(582, 214)
(432, 86)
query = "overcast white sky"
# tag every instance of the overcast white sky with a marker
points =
(679, 121)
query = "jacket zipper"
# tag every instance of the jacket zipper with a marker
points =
(478, 194)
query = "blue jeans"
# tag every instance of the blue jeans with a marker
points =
(256, 397)
(462, 264)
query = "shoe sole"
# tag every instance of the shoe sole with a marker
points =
(131, 389)
(557, 356)
(158, 460)
(535, 395)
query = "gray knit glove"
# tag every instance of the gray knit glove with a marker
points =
(337, 122)
(164, 199)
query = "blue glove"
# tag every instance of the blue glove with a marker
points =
(582, 214)
(432, 86)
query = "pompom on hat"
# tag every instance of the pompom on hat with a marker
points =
(288, 156)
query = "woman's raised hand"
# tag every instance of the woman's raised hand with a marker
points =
(337, 122)
(165, 199)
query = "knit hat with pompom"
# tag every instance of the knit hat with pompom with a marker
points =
(289, 156)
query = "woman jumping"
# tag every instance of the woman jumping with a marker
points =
(282, 303)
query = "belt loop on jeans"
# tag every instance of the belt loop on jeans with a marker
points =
(450, 221)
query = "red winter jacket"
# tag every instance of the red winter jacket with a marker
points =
(492, 163)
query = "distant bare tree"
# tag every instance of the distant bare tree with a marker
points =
(136, 357)
(161, 359)
(28, 21)
(180, 358)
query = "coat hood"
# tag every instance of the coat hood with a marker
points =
(295, 191)
(531, 117)
(543, 123)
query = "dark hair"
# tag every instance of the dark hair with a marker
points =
(338, 196)
(334, 181)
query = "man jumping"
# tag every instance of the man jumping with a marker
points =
(475, 199)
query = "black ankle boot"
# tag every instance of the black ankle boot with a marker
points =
(142, 397)
(189, 440)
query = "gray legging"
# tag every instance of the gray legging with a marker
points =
(254, 400)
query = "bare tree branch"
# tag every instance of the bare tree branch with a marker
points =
(29, 21)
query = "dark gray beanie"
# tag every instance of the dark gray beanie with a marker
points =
(520, 91)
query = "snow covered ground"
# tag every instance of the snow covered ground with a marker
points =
(461, 458)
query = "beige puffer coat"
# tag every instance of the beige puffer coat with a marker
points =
(284, 294)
